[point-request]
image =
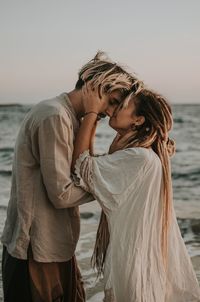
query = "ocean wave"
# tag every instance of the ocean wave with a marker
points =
(3, 208)
(6, 149)
(191, 175)
(189, 225)
(5, 173)
(87, 215)
(10, 105)
(13, 108)
(178, 120)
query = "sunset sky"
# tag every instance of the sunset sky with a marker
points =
(45, 42)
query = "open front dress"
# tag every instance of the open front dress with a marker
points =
(128, 186)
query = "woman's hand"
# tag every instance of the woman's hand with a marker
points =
(85, 135)
(92, 101)
(121, 141)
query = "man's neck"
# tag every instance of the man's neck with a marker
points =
(75, 97)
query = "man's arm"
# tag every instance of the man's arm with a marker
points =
(54, 135)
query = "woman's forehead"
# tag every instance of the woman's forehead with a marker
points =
(130, 102)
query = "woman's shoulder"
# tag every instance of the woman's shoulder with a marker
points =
(128, 153)
(141, 152)
(130, 156)
(147, 155)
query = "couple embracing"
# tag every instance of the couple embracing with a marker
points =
(139, 248)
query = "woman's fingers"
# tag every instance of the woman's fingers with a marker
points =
(91, 100)
(122, 141)
(90, 91)
(127, 137)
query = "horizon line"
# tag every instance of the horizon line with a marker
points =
(35, 103)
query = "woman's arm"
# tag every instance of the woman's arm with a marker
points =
(84, 135)
(93, 104)
(93, 139)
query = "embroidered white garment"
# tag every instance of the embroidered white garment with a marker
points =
(128, 186)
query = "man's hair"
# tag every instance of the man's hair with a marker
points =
(107, 76)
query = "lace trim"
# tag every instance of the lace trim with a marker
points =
(83, 171)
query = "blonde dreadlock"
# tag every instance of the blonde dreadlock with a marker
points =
(107, 76)
(153, 133)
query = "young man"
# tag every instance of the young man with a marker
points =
(43, 223)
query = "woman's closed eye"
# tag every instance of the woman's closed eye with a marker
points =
(114, 102)
(118, 108)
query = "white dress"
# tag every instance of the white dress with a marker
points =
(128, 186)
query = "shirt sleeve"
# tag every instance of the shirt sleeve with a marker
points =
(108, 177)
(55, 156)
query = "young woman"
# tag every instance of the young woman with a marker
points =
(141, 253)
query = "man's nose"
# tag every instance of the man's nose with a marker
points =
(109, 111)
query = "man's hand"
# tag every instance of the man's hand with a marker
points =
(92, 101)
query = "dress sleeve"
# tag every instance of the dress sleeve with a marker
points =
(108, 177)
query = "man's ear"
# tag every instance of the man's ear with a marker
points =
(140, 120)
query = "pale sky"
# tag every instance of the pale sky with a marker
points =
(44, 43)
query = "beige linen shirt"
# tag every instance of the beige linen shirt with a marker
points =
(42, 209)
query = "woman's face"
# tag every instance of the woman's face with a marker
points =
(124, 119)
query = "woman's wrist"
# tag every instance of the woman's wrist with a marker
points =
(86, 130)
(91, 112)
(94, 113)
(91, 117)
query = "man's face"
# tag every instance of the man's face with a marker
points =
(111, 103)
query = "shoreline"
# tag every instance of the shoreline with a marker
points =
(11, 105)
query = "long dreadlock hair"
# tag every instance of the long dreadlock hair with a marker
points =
(107, 76)
(152, 133)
